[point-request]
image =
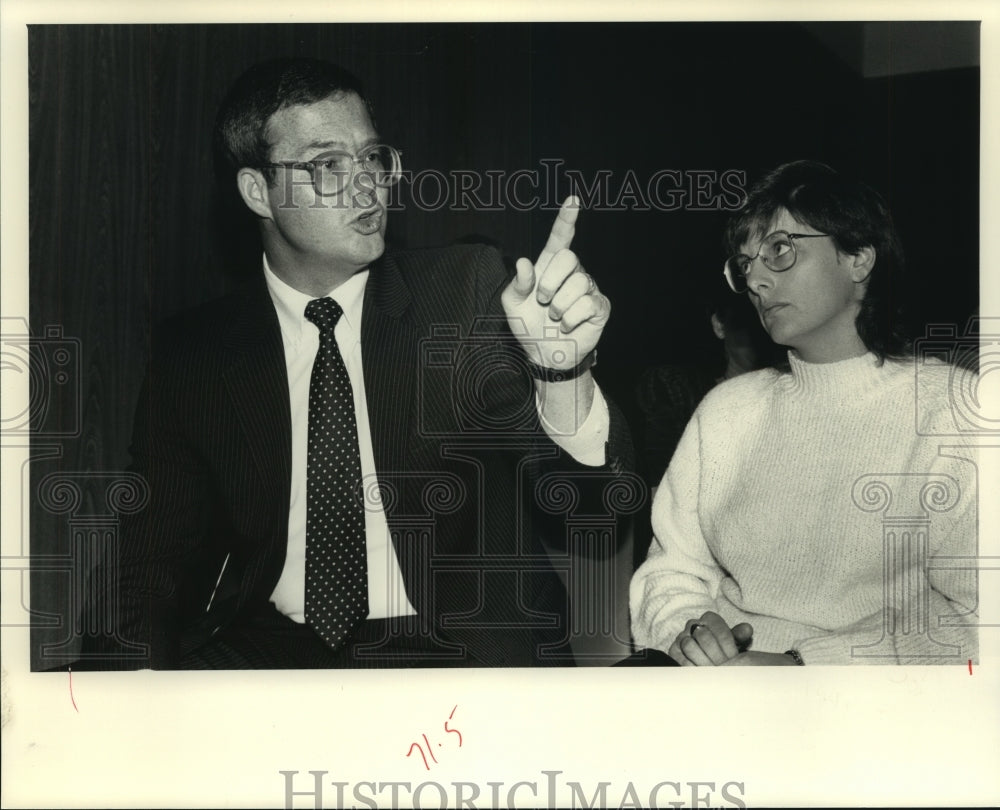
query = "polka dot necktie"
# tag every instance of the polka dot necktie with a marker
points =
(336, 557)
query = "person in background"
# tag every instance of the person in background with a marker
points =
(668, 394)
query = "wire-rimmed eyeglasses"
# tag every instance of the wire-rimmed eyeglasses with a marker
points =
(777, 251)
(333, 172)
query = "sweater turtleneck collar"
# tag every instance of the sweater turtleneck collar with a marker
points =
(843, 377)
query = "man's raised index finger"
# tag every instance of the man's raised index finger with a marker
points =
(563, 229)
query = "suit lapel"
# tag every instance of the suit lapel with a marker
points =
(389, 347)
(257, 381)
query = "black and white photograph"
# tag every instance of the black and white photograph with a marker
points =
(439, 410)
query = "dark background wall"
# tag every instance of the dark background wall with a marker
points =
(125, 229)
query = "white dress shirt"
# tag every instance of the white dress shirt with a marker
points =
(386, 591)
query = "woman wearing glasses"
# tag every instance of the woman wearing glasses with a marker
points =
(807, 515)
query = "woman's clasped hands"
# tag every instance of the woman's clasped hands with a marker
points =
(709, 641)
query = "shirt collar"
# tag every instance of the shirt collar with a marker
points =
(290, 303)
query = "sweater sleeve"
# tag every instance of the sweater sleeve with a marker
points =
(680, 578)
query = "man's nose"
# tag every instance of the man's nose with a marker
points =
(364, 191)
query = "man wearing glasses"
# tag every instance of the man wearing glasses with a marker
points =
(319, 495)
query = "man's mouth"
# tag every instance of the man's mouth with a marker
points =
(370, 221)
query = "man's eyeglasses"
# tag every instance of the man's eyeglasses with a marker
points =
(777, 251)
(333, 172)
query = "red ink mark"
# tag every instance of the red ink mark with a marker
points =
(417, 746)
(970, 666)
(71, 700)
(452, 730)
(429, 747)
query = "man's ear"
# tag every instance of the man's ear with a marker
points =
(253, 189)
(862, 263)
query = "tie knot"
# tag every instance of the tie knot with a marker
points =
(324, 312)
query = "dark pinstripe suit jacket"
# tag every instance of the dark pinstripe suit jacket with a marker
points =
(457, 445)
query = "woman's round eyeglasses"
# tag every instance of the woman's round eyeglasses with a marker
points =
(777, 251)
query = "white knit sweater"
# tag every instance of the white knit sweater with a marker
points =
(771, 513)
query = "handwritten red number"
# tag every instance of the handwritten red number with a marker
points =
(429, 749)
(453, 730)
(417, 746)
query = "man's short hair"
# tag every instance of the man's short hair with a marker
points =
(855, 216)
(240, 136)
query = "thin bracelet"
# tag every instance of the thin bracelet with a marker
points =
(796, 657)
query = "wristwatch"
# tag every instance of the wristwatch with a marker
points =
(563, 374)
